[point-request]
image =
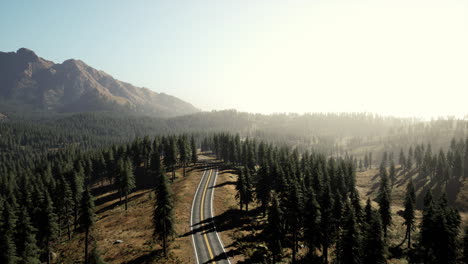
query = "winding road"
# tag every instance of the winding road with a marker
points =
(206, 242)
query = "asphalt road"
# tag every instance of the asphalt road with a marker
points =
(206, 242)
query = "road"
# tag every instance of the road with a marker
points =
(206, 242)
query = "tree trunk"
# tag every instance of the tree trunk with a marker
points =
(185, 165)
(409, 236)
(48, 251)
(75, 221)
(247, 207)
(126, 200)
(68, 228)
(294, 248)
(325, 254)
(173, 173)
(165, 240)
(86, 245)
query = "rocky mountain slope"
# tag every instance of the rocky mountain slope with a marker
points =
(73, 86)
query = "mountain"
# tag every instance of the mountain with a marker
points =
(28, 81)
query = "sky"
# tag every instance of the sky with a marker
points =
(399, 57)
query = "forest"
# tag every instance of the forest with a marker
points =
(300, 181)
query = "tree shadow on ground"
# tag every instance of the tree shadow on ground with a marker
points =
(232, 218)
(117, 203)
(147, 258)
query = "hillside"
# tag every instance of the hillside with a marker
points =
(28, 81)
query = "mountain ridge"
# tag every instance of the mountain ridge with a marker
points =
(74, 86)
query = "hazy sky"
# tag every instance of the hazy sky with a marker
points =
(399, 57)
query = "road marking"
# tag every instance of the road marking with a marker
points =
(203, 217)
(191, 216)
(212, 215)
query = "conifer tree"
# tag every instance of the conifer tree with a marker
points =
(7, 233)
(263, 187)
(368, 211)
(241, 189)
(275, 229)
(293, 215)
(349, 245)
(87, 217)
(465, 246)
(373, 242)
(193, 147)
(327, 227)
(392, 173)
(163, 220)
(77, 191)
(184, 152)
(383, 199)
(28, 251)
(65, 206)
(49, 225)
(170, 155)
(408, 213)
(155, 167)
(127, 180)
(312, 224)
(402, 159)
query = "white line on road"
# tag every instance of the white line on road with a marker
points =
(191, 216)
(212, 216)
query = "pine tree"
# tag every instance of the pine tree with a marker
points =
(184, 152)
(327, 227)
(312, 224)
(155, 167)
(408, 213)
(77, 191)
(402, 159)
(193, 147)
(349, 244)
(356, 204)
(263, 187)
(170, 155)
(28, 250)
(49, 225)
(127, 180)
(465, 246)
(392, 173)
(241, 189)
(373, 242)
(293, 215)
(163, 220)
(65, 206)
(87, 217)
(368, 211)
(7, 233)
(244, 189)
(383, 199)
(409, 160)
(275, 229)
